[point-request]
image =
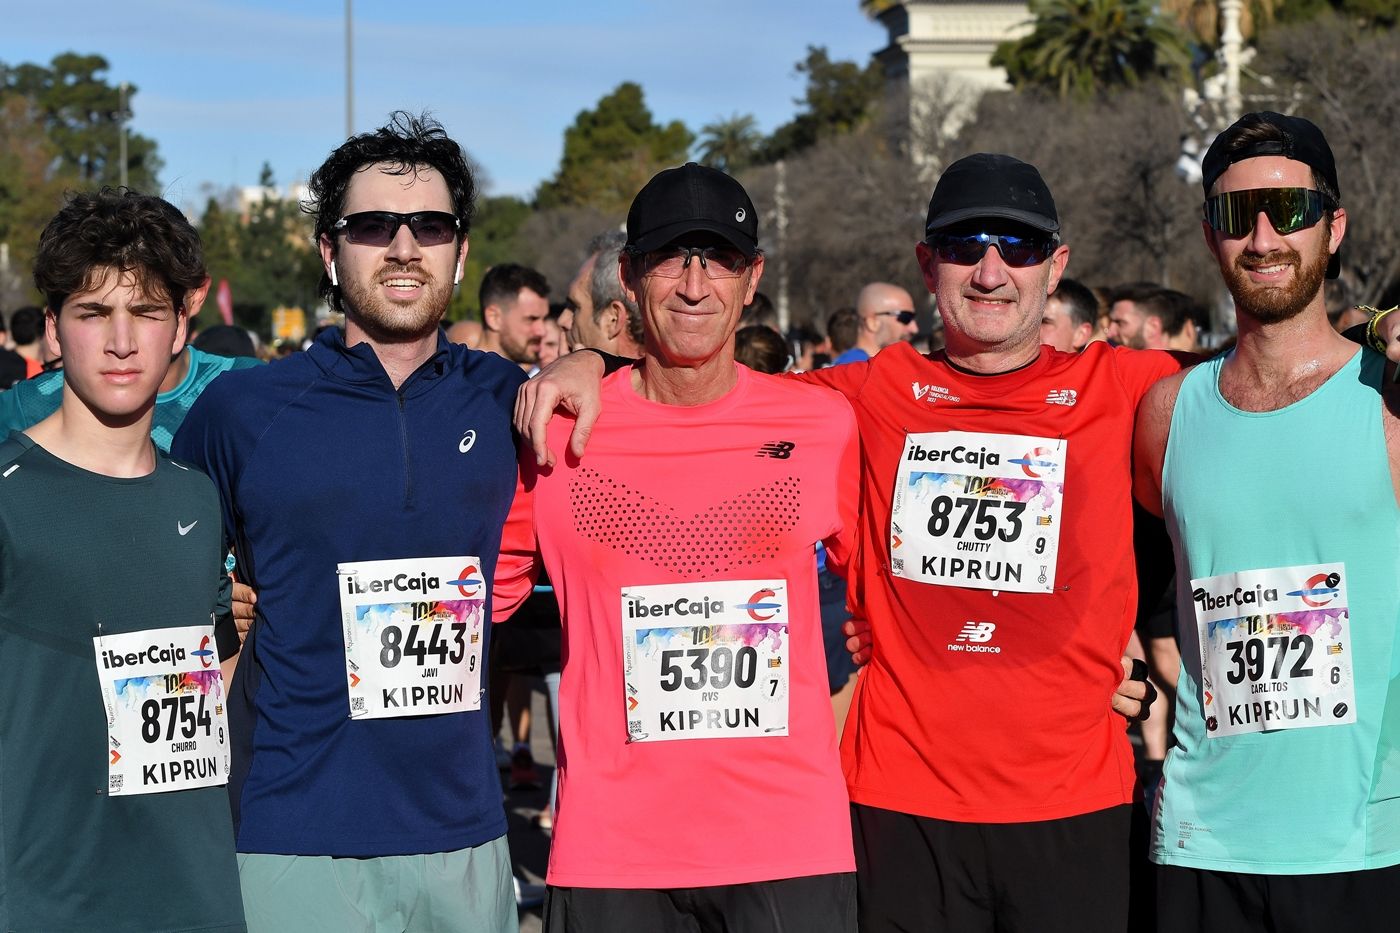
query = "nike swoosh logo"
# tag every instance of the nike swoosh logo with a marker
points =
(185, 529)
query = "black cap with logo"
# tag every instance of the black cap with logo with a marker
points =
(991, 185)
(1298, 139)
(692, 198)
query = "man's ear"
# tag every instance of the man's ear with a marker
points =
(613, 319)
(51, 333)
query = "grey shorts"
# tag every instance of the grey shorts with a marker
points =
(466, 891)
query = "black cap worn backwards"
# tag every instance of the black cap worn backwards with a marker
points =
(991, 185)
(692, 198)
(1299, 140)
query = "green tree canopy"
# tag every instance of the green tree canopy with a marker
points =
(731, 143)
(1083, 48)
(840, 96)
(611, 151)
(82, 115)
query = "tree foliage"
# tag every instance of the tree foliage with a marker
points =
(611, 151)
(731, 143)
(59, 130)
(1083, 48)
(264, 251)
(840, 97)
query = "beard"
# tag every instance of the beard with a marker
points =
(1269, 304)
(387, 321)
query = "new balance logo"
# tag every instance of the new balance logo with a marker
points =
(1062, 397)
(778, 450)
(977, 632)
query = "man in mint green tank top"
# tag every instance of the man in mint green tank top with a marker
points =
(1280, 806)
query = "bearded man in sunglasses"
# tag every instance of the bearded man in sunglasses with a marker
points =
(1280, 808)
(365, 484)
(991, 782)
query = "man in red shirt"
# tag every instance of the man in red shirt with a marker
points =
(991, 784)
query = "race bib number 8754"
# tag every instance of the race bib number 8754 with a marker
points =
(978, 510)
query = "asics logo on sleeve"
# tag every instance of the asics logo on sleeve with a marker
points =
(183, 528)
(778, 450)
(468, 439)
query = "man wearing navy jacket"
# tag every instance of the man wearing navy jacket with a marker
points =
(364, 485)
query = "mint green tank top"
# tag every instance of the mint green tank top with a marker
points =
(1287, 542)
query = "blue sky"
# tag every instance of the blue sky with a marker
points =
(225, 85)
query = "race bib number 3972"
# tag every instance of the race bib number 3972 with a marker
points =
(978, 510)
(1275, 649)
(164, 698)
(413, 635)
(706, 660)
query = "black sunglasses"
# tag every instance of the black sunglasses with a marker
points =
(904, 317)
(967, 249)
(1289, 209)
(378, 228)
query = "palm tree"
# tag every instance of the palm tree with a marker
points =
(1082, 48)
(730, 144)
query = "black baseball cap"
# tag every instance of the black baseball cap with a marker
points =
(989, 184)
(1299, 140)
(693, 197)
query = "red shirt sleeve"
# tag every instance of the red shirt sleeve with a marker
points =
(517, 566)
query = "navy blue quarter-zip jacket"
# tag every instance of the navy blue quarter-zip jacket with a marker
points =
(319, 460)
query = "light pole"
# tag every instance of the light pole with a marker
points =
(350, 73)
(1231, 45)
(121, 133)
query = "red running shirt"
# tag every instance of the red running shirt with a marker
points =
(1002, 602)
(672, 511)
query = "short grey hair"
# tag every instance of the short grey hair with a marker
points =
(605, 286)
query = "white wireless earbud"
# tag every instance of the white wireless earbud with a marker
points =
(457, 279)
(333, 280)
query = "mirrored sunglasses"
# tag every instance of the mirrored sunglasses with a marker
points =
(1289, 209)
(967, 249)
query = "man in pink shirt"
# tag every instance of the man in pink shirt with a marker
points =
(700, 786)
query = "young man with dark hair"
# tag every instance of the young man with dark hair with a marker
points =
(113, 609)
(365, 483)
(1279, 808)
(513, 308)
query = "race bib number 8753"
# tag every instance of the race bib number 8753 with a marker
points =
(978, 510)
(706, 660)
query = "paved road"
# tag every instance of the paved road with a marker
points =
(529, 845)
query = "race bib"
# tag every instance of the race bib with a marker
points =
(978, 510)
(1275, 649)
(706, 660)
(164, 698)
(413, 635)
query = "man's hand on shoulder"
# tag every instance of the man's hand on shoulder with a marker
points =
(570, 381)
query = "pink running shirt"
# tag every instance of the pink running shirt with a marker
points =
(706, 517)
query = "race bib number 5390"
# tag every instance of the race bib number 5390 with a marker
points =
(978, 510)
(413, 635)
(706, 660)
